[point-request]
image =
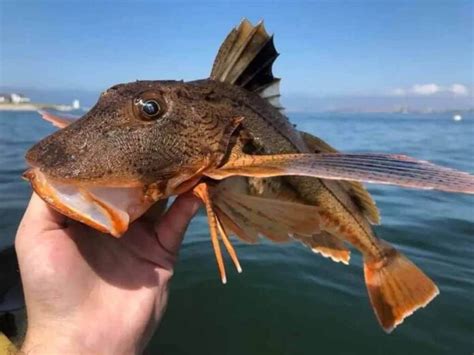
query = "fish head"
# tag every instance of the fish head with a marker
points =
(141, 142)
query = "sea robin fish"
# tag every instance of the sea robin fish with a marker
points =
(226, 139)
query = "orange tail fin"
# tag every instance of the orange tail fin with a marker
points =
(397, 288)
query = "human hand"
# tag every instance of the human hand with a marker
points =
(87, 292)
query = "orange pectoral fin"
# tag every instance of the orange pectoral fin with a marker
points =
(270, 216)
(374, 168)
(233, 222)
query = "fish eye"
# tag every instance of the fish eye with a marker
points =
(149, 109)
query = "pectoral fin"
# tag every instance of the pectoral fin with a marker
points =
(233, 221)
(272, 218)
(374, 168)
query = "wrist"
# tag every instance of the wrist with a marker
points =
(64, 340)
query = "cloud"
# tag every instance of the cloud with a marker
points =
(425, 89)
(459, 90)
(431, 89)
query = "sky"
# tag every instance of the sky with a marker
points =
(402, 50)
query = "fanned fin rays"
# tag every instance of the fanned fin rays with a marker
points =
(230, 210)
(245, 59)
(268, 195)
(326, 244)
(272, 218)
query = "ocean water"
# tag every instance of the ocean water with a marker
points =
(289, 300)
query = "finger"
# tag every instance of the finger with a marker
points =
(155, 212)
(170, 229)
(38, 218)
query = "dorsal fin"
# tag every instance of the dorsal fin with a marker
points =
(245, 59)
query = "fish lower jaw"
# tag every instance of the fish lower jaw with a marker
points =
(106, 209)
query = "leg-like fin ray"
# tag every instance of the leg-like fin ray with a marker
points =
(228, 245)
(202, 192)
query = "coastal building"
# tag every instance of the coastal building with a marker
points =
(20, 102)
(4, 98)
(19, 98)
(14, 98)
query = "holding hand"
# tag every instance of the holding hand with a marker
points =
(87, 292)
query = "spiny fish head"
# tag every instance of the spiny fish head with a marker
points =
(137, 133)
(140, 143)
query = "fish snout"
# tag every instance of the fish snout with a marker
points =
(51, 157)
(69, 155)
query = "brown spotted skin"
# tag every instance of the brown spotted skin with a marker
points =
(112, 145)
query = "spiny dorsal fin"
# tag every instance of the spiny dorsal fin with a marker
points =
(245, 58)
(356, 190)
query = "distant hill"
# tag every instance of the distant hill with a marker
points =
(304, 103)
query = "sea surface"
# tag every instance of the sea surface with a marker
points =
(289, 300)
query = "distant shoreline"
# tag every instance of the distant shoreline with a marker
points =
(28, 107)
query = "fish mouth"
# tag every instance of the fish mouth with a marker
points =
(107, 209)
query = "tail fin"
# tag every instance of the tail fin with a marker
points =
(397, 288)
(245, 59)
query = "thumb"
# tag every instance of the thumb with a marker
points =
(39, 218)
(171, 227)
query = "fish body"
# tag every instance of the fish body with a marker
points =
(227, 139)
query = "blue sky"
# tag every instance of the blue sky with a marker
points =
(328, 48)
